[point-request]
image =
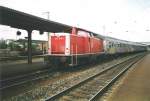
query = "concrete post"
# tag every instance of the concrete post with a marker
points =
(29, 46)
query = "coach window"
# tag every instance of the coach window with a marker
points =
(118, 44)
(109, 45)
(112, 44)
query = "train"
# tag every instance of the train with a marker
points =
(81, 46)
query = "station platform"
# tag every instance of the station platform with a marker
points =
(135, 86)
(19, 67)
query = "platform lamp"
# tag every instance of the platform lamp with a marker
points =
(18, 33)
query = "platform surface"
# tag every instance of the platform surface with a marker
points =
(136, 84)
(19, 67)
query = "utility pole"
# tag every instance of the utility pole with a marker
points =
(48, 17)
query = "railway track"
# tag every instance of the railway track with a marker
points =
(22, 79)
(95, 85)
(25, 78)
(61, 81)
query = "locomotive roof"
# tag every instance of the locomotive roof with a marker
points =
(95, 34)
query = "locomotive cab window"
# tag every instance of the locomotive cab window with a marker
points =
(83, 33)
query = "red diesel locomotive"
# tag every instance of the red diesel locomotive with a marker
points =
(77, 47)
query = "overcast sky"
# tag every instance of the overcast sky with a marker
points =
(123, 19)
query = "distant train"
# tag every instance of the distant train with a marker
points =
(81, 46)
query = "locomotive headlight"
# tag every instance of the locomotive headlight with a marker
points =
(67, 51)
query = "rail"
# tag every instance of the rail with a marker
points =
(62, 93)
(22, 79)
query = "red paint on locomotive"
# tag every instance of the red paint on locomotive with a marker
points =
(75, 46)
(58, 44)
